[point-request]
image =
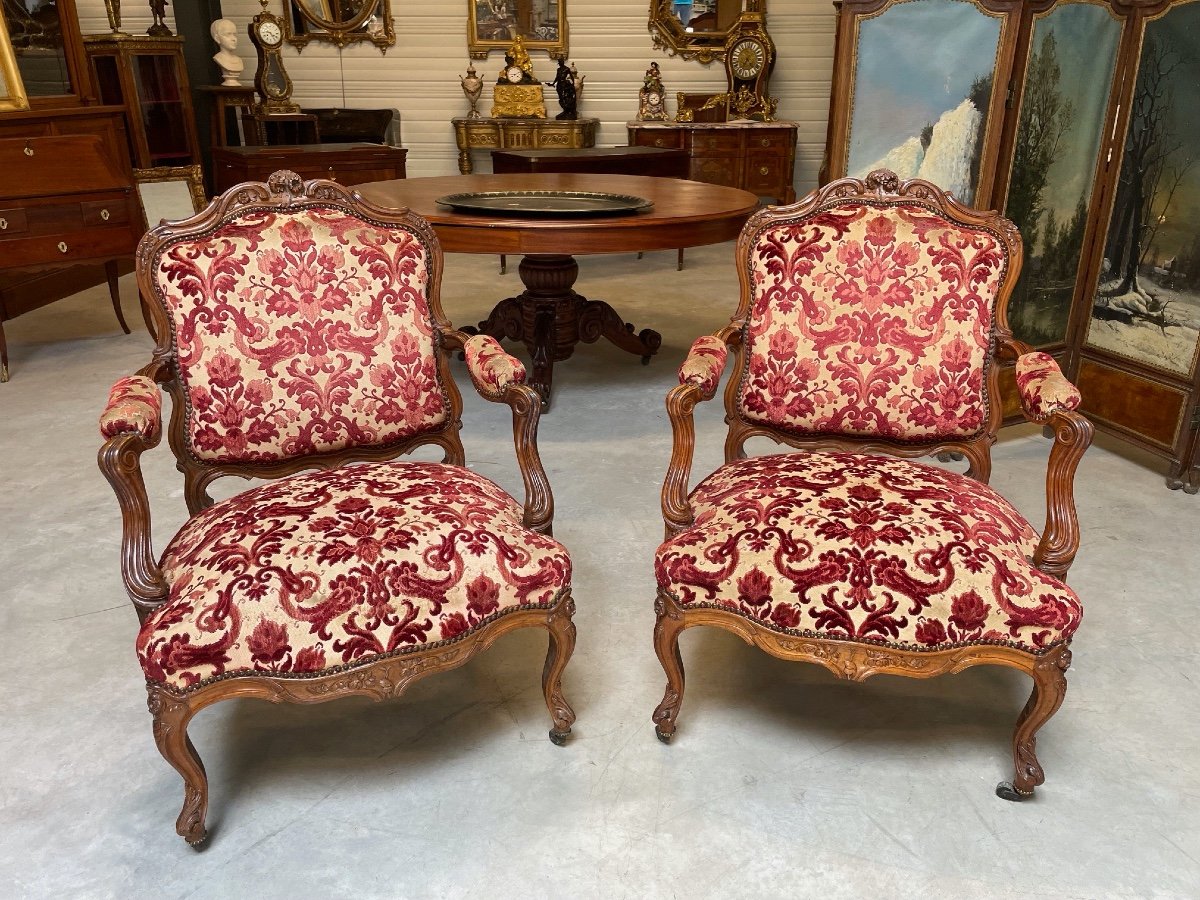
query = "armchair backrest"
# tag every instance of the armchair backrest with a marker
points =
(869, 312)
(294, 320)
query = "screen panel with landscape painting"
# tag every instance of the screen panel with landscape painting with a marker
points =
(1068, 82)
(1147, 303)
(923, 91)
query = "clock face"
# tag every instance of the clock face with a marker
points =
(746, 59)
(269, 33)
(513, 74)
(653, 98)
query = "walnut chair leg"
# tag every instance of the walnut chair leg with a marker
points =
(562, 645)
(1049, 688)
(667, 626)
(171, 717)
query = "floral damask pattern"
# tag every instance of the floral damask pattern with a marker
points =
(134, 404)
(339, 567)
(871, 320)
(1042, 385)
(490, 365)
(704, 364)
(866, 548)
(301, 332)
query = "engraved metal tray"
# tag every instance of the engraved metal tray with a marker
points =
(545, 203)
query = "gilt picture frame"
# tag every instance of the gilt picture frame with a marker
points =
(495, 24)
(12, 88)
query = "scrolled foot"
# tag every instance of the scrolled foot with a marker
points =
(664, 736)
(1006, 790)
(559, 738)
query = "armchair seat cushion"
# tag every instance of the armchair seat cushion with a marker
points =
(324, 571)
(866, 548)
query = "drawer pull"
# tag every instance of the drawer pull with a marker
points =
(105, 215)
(332, 174)
(658, 142)
(764, 171)
(62, 247)
(28, 150)
(3, 224)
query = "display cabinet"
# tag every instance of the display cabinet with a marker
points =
(147, 76)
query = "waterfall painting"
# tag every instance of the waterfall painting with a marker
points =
(1147, 304)
(917, 108)
(1068, 81)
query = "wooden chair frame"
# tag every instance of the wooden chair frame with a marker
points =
(384, 677)
(844, 658)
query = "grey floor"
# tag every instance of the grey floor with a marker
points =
(781, 782)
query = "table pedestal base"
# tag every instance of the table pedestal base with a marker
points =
(550, 319)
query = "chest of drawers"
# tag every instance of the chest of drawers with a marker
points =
(343, 163)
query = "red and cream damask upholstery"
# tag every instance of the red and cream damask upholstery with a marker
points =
(704, 364)
(327, 570)
(1043, 387)
(491, 367)
(866, 548)
(134, 405)
(300, 332)
(871, 321)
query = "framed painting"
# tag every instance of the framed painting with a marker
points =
(1146, 302)
(495, 24)
(918, 89)
(1069, 72)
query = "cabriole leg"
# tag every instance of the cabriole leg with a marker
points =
(1049, 688)
(667, 626)
(171, 717)
(562, 645)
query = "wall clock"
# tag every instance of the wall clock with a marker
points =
(749, 58)
(271, 79)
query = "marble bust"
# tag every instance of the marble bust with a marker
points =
(224, 33)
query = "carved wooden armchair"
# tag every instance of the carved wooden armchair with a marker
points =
(871, 317)
(300, 330)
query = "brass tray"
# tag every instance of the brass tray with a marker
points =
(545, 203)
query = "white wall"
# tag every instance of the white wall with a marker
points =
(609, 43)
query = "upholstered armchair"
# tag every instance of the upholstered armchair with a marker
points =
(299, 331)
(870, 325)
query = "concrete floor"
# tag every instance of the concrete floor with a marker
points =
(782, 781)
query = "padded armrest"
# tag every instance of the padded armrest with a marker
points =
(134, 405)
(491, 368)
(1043, 388)
(704, 364)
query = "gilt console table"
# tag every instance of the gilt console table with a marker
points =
(520, 134)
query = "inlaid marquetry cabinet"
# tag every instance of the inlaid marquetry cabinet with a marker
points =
(755, 156)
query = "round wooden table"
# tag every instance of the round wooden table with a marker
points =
(549, 316)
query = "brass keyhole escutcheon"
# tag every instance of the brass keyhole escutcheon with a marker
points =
(3, 224)
(105, 215)
(658, 142)
(28, 150)
(764, 171)
(62, 247)
(766, 142)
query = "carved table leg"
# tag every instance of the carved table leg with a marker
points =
(550, 318)
(171, 717)
(464, 161)
(1049, 688)
(667, 626)
(114, 291)
(558, 654)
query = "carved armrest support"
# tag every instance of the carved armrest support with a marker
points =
(132, 424)
(1060, 539)
(698, 379)
(704, 364)
(1042, 387)
(500, 378)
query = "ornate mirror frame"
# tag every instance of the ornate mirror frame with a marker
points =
(12, 88)
(301, 25)
(670, 34)
(485, 20)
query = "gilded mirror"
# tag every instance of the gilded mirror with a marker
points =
(339, 22)
(34, 60)
(696, 29)
(12, 89)
(493, 24)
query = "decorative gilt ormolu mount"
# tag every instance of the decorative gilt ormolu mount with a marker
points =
(698, 38)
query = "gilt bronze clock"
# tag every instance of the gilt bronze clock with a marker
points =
(271, 78)
(749, 58)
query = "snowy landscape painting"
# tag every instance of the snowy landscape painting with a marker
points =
(1147, 304)
(922, 88)
(1068, 79)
